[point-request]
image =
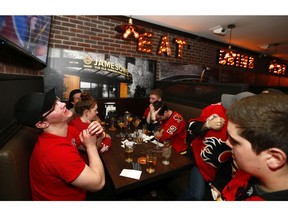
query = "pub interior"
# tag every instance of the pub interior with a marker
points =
(95, 54)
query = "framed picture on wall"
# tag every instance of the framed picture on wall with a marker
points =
(103, 75)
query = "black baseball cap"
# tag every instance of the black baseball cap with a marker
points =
(30, 107)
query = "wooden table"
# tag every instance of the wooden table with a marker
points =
(114, 162)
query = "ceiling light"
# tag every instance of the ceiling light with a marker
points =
(228, 55)
(264, 46)
(219, 30)
(130, 29)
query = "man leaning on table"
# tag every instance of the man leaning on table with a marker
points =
(173, 125)
(57, 171)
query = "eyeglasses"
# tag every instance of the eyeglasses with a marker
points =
(50, 111)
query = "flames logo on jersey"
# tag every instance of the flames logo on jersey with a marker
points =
(178, 118)
(216, 152)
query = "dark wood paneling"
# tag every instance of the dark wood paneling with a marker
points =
(12, 87)
(136, 106)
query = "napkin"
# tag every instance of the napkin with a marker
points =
(157, 143)
(130, 173)
(147, 138)
(125, 142)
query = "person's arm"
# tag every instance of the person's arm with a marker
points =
(151, 117)
(197, 128)
(92, 178)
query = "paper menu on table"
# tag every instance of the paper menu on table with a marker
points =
(130, 173)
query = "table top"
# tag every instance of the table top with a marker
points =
(114, 162)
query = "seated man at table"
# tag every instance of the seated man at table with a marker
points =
(155, 95)
(57, 171)
(172, 124)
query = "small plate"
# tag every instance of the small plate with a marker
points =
(141, 160)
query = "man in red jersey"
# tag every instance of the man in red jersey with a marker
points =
(172, 124)
(209, 149)
(57, 171)
(257, 135)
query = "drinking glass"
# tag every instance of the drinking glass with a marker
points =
(151, 160)
(129, 120)
(112, 123)
(121, 124)
(129, 149)
(158, 133)
(136, 122)
(166, 152)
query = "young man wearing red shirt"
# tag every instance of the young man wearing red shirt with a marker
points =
(57, 171)
(258, 137)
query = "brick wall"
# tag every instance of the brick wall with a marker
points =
(97, 34)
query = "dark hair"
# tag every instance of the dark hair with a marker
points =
(262, 120)
(69, 104)
(86, 102)
(160, 104)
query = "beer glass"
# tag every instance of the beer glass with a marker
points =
(151, 160)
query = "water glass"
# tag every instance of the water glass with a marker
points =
(166, 152)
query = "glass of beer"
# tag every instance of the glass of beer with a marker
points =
(151, 159)
(129, 149)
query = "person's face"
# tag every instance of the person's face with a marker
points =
(153, 98)
(92, 113)
(242, 153)
(58, 113)
(162, 117)
(76, 98)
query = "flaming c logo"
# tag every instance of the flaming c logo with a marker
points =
(215, 152)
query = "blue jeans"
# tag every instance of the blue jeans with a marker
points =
(197, 186)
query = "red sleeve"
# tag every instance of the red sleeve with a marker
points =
(146, 112)
(105, 145)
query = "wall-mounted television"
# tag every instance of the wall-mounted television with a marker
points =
(29, 34)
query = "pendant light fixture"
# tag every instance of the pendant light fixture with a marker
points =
(227, 56)
(130, 29)
(230, 55)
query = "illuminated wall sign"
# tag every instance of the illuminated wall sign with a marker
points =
(277, 68)
(180, 43)
(104, 65)
(231, 58)
(145, 45)
(165, 46)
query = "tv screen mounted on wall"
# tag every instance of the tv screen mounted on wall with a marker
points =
(29, 34)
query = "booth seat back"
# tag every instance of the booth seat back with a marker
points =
(14, 165)
(186, 111)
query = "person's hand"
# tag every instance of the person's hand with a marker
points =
(87, 138)
(215, 123)
(95, 128)
(153, 113)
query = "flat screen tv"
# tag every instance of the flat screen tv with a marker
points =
(29, 34)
